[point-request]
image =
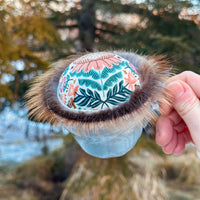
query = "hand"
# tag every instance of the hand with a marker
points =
(180, 123)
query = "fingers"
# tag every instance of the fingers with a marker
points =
(191, 78)
(180, 127)
(169, 148)
(175, 143)
(180, 146)
(171, 134)
(187, 106)
(170, 129)
(165, 127)
(164, 131)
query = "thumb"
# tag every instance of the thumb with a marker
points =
(187, 106)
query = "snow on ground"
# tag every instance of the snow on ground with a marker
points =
(21, 139)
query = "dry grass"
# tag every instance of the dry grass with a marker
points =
(149, 187)
(40, 178)
(183, 169)
(145, 173)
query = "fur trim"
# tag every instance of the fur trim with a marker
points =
(44, 105)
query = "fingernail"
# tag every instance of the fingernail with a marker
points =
(177, 88)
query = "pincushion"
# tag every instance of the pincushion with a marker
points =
(96, 82)
(104, 99)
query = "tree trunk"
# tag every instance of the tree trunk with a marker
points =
(86, 25)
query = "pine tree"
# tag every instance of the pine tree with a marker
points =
(160, 30)
(27, 37)
(40, 32)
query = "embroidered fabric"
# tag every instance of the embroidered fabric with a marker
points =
(97, 81)
(104, 99)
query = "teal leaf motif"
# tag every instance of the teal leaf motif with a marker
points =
(66, 70)
(112, 79)
(78, 98)
(83, 91)
(90, 83)
(115, 89)
(109, 93)
(111, 74)
(113, 102)
(97, 96)
(107, 71)
(127, 91)
(92, 73)
(116, 95)
(88, 98)
(84, 101)
(93, 100)
(94, 105)
(66, 84)
(90, 93)
(120, 99)
(121, 85)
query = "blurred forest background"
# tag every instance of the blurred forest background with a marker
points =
(34, 34)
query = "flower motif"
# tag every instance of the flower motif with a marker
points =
(130, 80)
(96, 61)
(63, 98)
(72, 90)
(62, 85)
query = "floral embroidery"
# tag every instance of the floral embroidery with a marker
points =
(95, 62)
(96, 82)
(72, 90)
(131, 81)
(117, 94)
(62, 84)
(63, 98)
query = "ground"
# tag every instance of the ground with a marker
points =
(69, 173)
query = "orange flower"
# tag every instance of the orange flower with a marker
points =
(72, 90)
(130, 81)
